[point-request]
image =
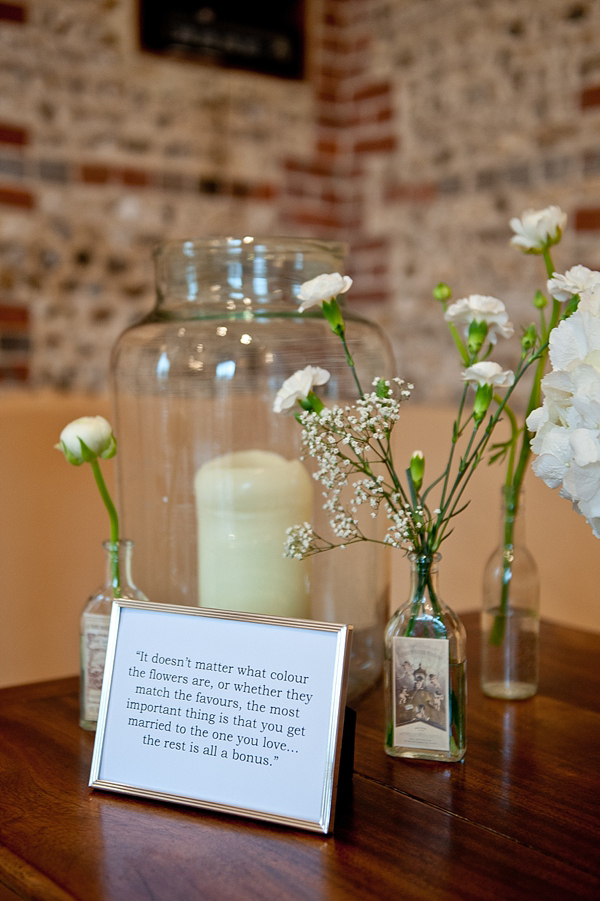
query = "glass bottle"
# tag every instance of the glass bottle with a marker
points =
(510, 617)
(425, 673)
(193, 389)
(94, 626)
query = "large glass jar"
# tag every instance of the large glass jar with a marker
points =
(208, 475)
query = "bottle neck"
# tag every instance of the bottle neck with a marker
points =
(512, 523)
(118, 565)
(424, 577)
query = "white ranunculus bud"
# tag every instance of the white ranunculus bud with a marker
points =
(322, 288)
(298, 387)
(96, 434)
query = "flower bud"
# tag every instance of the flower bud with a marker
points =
(417, 469)
(442, 292)
(87, 438)
(529, 338)
(476, 335)
(382, 388)
(483, 399)
(540, 301)
(333, 315)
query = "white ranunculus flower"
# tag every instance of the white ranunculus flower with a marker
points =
(488, 373)
(577, 280)
(323, 287)
(298, 386)
(537, 229)
(95, 432)
(481, 308)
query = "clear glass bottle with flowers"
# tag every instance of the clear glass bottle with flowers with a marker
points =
(85, 440)
(510, 615)
(425, 669)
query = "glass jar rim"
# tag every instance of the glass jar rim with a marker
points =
(239, 243)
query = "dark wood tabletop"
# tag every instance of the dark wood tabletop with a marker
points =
(519, 818)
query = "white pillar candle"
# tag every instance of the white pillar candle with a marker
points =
(245, 501)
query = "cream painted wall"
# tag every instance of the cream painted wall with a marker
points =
(51, 529)
(53, 523)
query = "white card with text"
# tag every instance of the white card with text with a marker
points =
(228, 711)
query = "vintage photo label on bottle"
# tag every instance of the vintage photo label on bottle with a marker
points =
(94, 638)
(421, 693)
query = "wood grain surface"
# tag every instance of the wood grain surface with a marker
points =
(518, 819)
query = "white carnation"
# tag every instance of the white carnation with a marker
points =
(323, 287)
(481, 308)
(577, 280)
(488, 373)
(537, 229)
(298, 387)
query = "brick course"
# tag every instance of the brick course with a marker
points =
(421, 130)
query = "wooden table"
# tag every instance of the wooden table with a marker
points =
(518, 819)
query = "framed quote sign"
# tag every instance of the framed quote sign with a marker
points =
(231, 712)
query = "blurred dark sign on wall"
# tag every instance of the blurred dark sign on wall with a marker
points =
(259, 37)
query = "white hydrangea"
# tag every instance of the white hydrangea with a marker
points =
(589, 300)
(567, 426)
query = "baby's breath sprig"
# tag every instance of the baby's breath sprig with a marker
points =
(352, 445)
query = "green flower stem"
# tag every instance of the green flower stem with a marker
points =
(469, 463)
(350, 362)
(424, 581)
(515, 482)
(514, 430)
(114, 523)
(456, 432)
(498, 629)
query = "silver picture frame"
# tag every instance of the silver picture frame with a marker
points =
(241, 714)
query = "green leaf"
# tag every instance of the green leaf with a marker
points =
(71, 458)
(110, 450)
(87, 455)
